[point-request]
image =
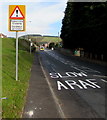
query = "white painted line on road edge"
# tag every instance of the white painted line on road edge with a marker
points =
(104, 80)
(100, 76)
(53, 94)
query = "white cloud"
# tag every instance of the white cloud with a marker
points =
(42, 16)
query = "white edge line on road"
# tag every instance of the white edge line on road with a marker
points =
(104, 80)
(53, 94)
(100, 76)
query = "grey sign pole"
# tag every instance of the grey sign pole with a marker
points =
(30, 45)
(16, 55)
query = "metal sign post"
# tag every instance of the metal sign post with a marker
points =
(16, 55)
(17, 19)
(30, 45)
(30, 48)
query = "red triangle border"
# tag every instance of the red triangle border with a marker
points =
(16, 17)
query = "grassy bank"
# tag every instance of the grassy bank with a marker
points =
(14, 91)
(51, 39)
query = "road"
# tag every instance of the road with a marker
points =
(78, 87)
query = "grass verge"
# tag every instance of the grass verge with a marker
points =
(14, 91)
(51, 39)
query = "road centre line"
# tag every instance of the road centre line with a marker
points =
(53, 68)
(78, 69)
(89, 69)
(63, 61)
(85, 69)
(53, 65)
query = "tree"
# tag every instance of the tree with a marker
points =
(84, 25)
(51, 45)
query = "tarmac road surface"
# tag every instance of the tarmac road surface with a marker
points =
(66, 87)
(78, 87)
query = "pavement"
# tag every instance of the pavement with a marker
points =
(40, 102)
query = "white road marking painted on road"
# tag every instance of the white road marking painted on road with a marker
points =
(54, 75)
(93, 82)
(82, 84)
(72, 83)
(83, 70)
(57, 58)
(103, 76)
(53, 65)
(85, 84)
(61, 85)
(68, 74)
(62, 114)
(62, 76)
(73, 65)
(104, 80)
(64, 62)
(78, 69)
(81, 74)
(53, 68)
(89, 69)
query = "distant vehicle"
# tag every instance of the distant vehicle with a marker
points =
(42, 48)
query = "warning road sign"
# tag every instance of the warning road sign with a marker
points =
(17, 14)
(17, 23)
(17, 18)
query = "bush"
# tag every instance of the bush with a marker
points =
(52, 45)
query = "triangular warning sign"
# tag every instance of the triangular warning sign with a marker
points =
(17, 14)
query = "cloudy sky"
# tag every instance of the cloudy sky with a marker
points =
(42, 17)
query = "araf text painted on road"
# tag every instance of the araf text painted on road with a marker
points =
(71, 84)
(68, 75)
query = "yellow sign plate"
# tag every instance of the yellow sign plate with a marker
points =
(17, 17)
